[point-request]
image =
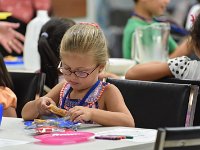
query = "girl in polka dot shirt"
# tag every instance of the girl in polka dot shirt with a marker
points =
(180, 67)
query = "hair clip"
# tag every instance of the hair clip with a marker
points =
(45, 34)
(91, 24)
(193, 18)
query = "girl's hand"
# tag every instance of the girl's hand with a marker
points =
(80, 114)
(43, 105)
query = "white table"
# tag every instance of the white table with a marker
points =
(119, 66)
(13, 129)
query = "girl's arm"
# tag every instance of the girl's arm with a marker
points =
(32, 109)
(10, 112)
(116, 113)
(182, 50)
(149, 71)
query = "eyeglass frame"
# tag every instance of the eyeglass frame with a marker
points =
(60, 68)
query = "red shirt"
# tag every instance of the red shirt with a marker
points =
(24, 9)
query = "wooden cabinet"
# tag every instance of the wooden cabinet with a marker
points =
(69, 8)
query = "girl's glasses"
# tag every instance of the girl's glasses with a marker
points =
(68, 72)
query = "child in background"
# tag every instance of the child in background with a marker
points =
(143, 15)
(83, 55)
(48, 46)
(181, 67)
(192, 14)
(7, 97)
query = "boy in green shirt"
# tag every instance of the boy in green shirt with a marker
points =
(144, 11)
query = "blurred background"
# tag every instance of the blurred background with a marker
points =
(112, 16)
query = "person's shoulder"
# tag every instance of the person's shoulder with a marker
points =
(135, 21)
(132, 24)
(129, 23)
(182, 67)
(111, 88)
(179, 59)
(112, 93)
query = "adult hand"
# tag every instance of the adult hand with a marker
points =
(9, 38)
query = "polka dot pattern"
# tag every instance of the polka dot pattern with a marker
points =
(179, 66)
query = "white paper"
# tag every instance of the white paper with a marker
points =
(8, 142)
(139, 135)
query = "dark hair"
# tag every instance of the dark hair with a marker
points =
(48, 46)
(195, 36)
(5, 79)
(135, 1)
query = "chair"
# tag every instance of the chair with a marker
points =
(26, 87)
(193, 82)
(155, 104)
(180, 138)
(112, 16)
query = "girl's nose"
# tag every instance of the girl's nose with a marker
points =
(73, 76)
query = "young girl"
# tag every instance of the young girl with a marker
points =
(83, 55)
(180, 67)
(7, 97)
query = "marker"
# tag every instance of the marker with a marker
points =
(110, 137)
(125, 136)
(128, 137)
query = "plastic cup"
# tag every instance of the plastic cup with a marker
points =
(1, 112)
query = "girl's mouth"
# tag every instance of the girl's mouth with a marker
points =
(73, 82)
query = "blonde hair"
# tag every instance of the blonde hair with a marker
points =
(85, 38)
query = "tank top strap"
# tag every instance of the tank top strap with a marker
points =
(64, 89)
(92, 100)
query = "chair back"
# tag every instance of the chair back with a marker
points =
(155, 104)
(193, 82)
(178, 138)
(26, 87)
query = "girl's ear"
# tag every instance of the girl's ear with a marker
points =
(101, 68)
